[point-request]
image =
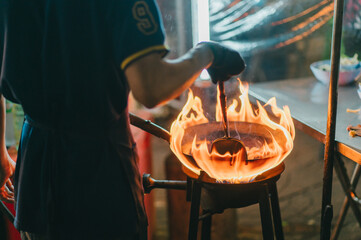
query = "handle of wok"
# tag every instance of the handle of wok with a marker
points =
(150, 183)
(149, 127)
(223, 101)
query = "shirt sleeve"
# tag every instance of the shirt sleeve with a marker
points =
(138, 31)
(2, 32)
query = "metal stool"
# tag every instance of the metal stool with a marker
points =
(216, 197)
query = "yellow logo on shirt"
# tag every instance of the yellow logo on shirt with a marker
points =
(144, 17)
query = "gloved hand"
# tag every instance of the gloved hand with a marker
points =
(226, 63)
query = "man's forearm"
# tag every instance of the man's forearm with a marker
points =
(183, 72)
(154, 80)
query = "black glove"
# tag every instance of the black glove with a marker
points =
(226, 63)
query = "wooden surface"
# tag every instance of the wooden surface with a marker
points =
(308, 102)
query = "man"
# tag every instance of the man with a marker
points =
(71, 64)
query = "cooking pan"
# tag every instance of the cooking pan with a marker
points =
(253, 136)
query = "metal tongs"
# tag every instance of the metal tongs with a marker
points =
(228, 144)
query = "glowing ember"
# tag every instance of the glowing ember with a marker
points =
(268, 138)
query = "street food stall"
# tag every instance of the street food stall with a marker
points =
(233, 141)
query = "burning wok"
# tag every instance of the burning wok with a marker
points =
(210, 131)
(267, 132)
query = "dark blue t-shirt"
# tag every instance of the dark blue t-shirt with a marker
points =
(64, 61)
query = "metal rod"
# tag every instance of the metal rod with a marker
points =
(347, 188)
(150, 183)
(195, 204)
(327, 212)
(345, 206)
(276, 211)
(149, 127)
(189, 189)
(265, 212)
(223, 101)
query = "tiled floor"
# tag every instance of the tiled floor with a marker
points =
(300, 193)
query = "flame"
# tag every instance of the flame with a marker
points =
(267, 136)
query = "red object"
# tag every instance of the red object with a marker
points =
(143, 140)
(12, 233)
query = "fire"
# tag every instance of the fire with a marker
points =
(267, 135)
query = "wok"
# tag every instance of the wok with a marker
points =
(253, 136)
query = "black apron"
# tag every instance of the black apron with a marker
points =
(78, 182)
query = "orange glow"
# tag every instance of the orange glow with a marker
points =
(268, 138)
(325, 12)
(303, 13)
(233, 3)
(306, 33)
(320, 19)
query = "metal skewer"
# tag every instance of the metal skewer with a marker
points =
(227, 144)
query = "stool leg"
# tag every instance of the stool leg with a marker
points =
(266, 218)
(345, 206)
(347, 187)
(276, 212)
(206, 227)
(193, 221)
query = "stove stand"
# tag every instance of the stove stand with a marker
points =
(204, 192)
